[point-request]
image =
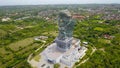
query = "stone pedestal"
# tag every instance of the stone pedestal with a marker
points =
(64, 45)
(55, 54)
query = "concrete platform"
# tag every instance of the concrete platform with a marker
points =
(52, 55)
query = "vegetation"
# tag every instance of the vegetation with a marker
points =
(56, 65)
(37, 58)
(17, 41)
(106, 55)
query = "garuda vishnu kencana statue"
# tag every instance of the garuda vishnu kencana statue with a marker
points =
(66, 25)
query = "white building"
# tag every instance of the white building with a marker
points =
(5, 19)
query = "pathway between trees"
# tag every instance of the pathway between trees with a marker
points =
(93, 50)
(33, 62)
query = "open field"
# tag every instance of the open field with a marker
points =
(37, 58)
(21, 44)
(22, 49)
(105, 41)
(3, 51)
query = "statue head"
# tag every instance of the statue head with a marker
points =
(65, 14)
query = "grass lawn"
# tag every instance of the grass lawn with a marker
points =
(21, 44)
(28, 48)
(2, 33)
(29, 26)
(37, 58)
(98, 29)
(3, 51)
(104, 41)
(52, 33)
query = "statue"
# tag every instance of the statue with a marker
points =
(66, 25)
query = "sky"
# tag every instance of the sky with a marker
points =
(39, 2)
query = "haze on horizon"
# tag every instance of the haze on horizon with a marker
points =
(41, 2)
